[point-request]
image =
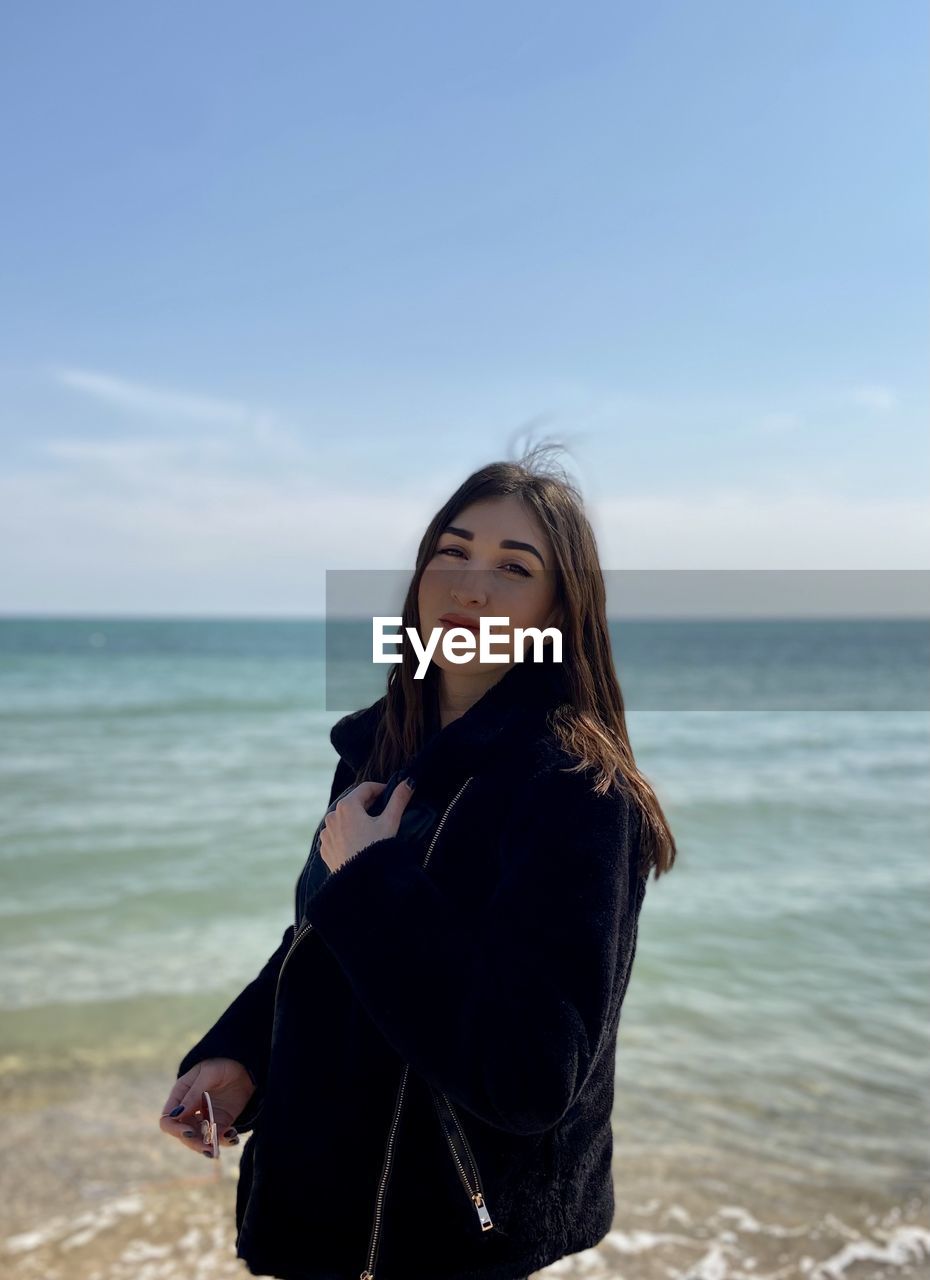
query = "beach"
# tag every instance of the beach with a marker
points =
(160, 790)
(95, 1190)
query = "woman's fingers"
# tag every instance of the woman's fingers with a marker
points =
(185, 1120)
(180, 1117)
(186, 1114)
(190, 1124)
(174, 1109)
(364, 792)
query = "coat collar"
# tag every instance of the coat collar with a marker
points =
(511, 710)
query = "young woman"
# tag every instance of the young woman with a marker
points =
(426, 1062)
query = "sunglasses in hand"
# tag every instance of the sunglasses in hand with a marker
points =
(208, 1125)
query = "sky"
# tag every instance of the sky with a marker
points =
(277, 278)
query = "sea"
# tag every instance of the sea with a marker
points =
(161, 779)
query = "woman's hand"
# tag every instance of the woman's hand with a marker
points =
(351, 828)
(230, 1087)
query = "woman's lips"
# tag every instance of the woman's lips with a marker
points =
(469, 626)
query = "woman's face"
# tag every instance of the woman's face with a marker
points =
(473, 575)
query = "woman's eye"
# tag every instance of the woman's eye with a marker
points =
(524, 573)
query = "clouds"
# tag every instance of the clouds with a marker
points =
(141, 400)
(202, 503)
(171, 410)
(873, 396)
(803, 527)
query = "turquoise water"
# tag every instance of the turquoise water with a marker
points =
(161, 782)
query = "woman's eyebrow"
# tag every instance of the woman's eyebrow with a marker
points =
(508, 542)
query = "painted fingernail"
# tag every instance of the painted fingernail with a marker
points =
(189, 1133)
(233, 1141)
(209, 1155)
(177, 1111)
(230, 1133)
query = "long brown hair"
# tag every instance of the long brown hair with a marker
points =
(591, 724)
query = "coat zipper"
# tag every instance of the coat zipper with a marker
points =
(474, 1188)
(369, 1272)
(301, 931)
(450, 1127)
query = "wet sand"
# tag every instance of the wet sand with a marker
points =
(92, 1190)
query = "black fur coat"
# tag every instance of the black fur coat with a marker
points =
(433, 1041)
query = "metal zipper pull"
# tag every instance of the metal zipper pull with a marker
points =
(441, 1101)
(483, 1216)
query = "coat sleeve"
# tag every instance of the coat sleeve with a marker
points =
(505, 1012)
(243, 1030)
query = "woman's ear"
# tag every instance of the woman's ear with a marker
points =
(554, 618)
